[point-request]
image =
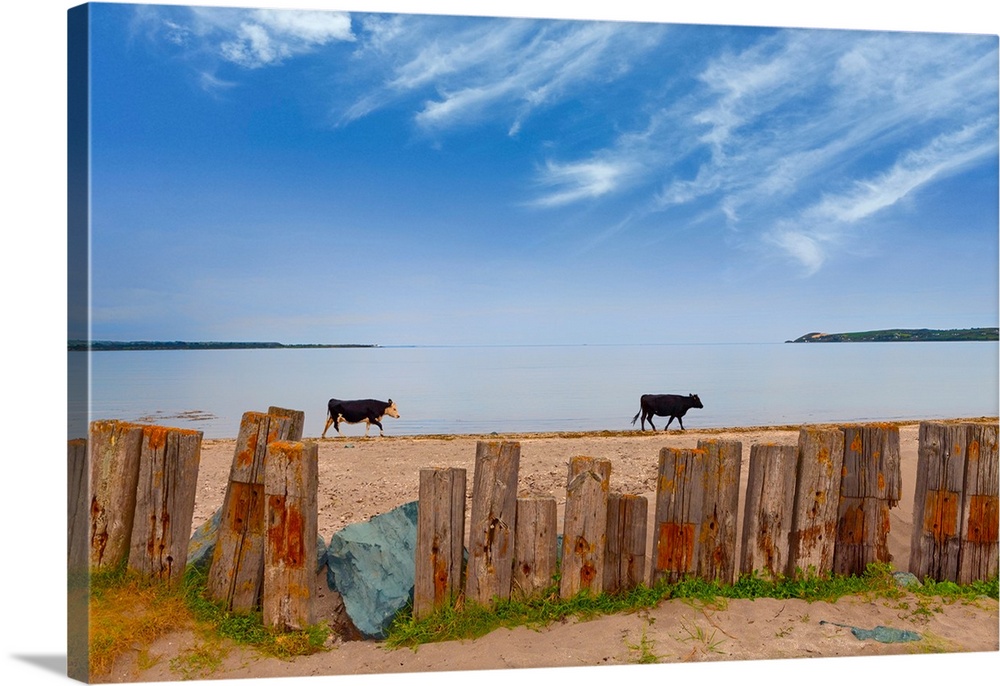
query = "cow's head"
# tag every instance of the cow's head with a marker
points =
(391, 409)
(695, 400)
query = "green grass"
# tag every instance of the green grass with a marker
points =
(472, 620)
(128, 612)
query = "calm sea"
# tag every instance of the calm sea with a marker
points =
(547, 388)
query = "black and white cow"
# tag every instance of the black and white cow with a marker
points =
(664, 406)
(354, 411)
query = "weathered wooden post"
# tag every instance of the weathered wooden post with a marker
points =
(164, 503)
(937, 501)
(114, 472)
(491, 526)
(767, 518)
(535, 546)
(440, 539)
(717, 549)
(237, 570)
(978, 553)
(298, 418)
(585, 526)
(680, 495)
(869, 487)
(955, 503)
(817, 501)
(625, 557)
(291, 476)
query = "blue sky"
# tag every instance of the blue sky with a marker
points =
(316, 176)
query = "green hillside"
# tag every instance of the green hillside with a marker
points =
(897, 335)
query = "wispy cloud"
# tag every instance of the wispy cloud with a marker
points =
(793, 139)
(581, 181)
(804, 135)
(468, 72)
(945, 154)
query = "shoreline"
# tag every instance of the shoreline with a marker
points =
(625, 433)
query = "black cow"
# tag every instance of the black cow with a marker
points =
(663, 406)
(354, 411)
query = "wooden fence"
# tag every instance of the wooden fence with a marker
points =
(141, 481)
(818, 507)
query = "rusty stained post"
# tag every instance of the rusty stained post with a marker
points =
(440, 540)
(291, 478)
(236, 575)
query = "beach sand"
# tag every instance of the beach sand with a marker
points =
(360, 478)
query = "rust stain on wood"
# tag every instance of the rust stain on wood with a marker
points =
(675, 547)
(156, 435)
(982, 526)
(852, 526)
(286, 534)
(246, 507)
(582, 547)
(823, 456)
(940, 514)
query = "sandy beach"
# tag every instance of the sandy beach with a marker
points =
(360, 478)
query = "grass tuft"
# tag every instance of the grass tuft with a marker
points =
(468, 620)
(129, 612)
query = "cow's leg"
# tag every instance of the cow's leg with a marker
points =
(681, 422)
(649, 416)
(379, 425)
(336, 425)
(368, 424)
(668, 422)
(329, 421)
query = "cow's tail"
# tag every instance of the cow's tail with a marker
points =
(636, 417)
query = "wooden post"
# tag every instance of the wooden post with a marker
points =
(767, 518)
(298, 418)
(164, 502)
(955, 503)
(625, 556)
(491, 527)
(817, 500)
(934, 543)
(114, 472)
(680, 494)
(440, 539)
(869, 487)
(535, 536)
(291, 476)
(237, 571)
(717, 549)
(978, 552)
(585, 526)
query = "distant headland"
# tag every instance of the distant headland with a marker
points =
(897, 335)
(201, 345)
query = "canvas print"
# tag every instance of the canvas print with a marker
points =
(414, 343)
